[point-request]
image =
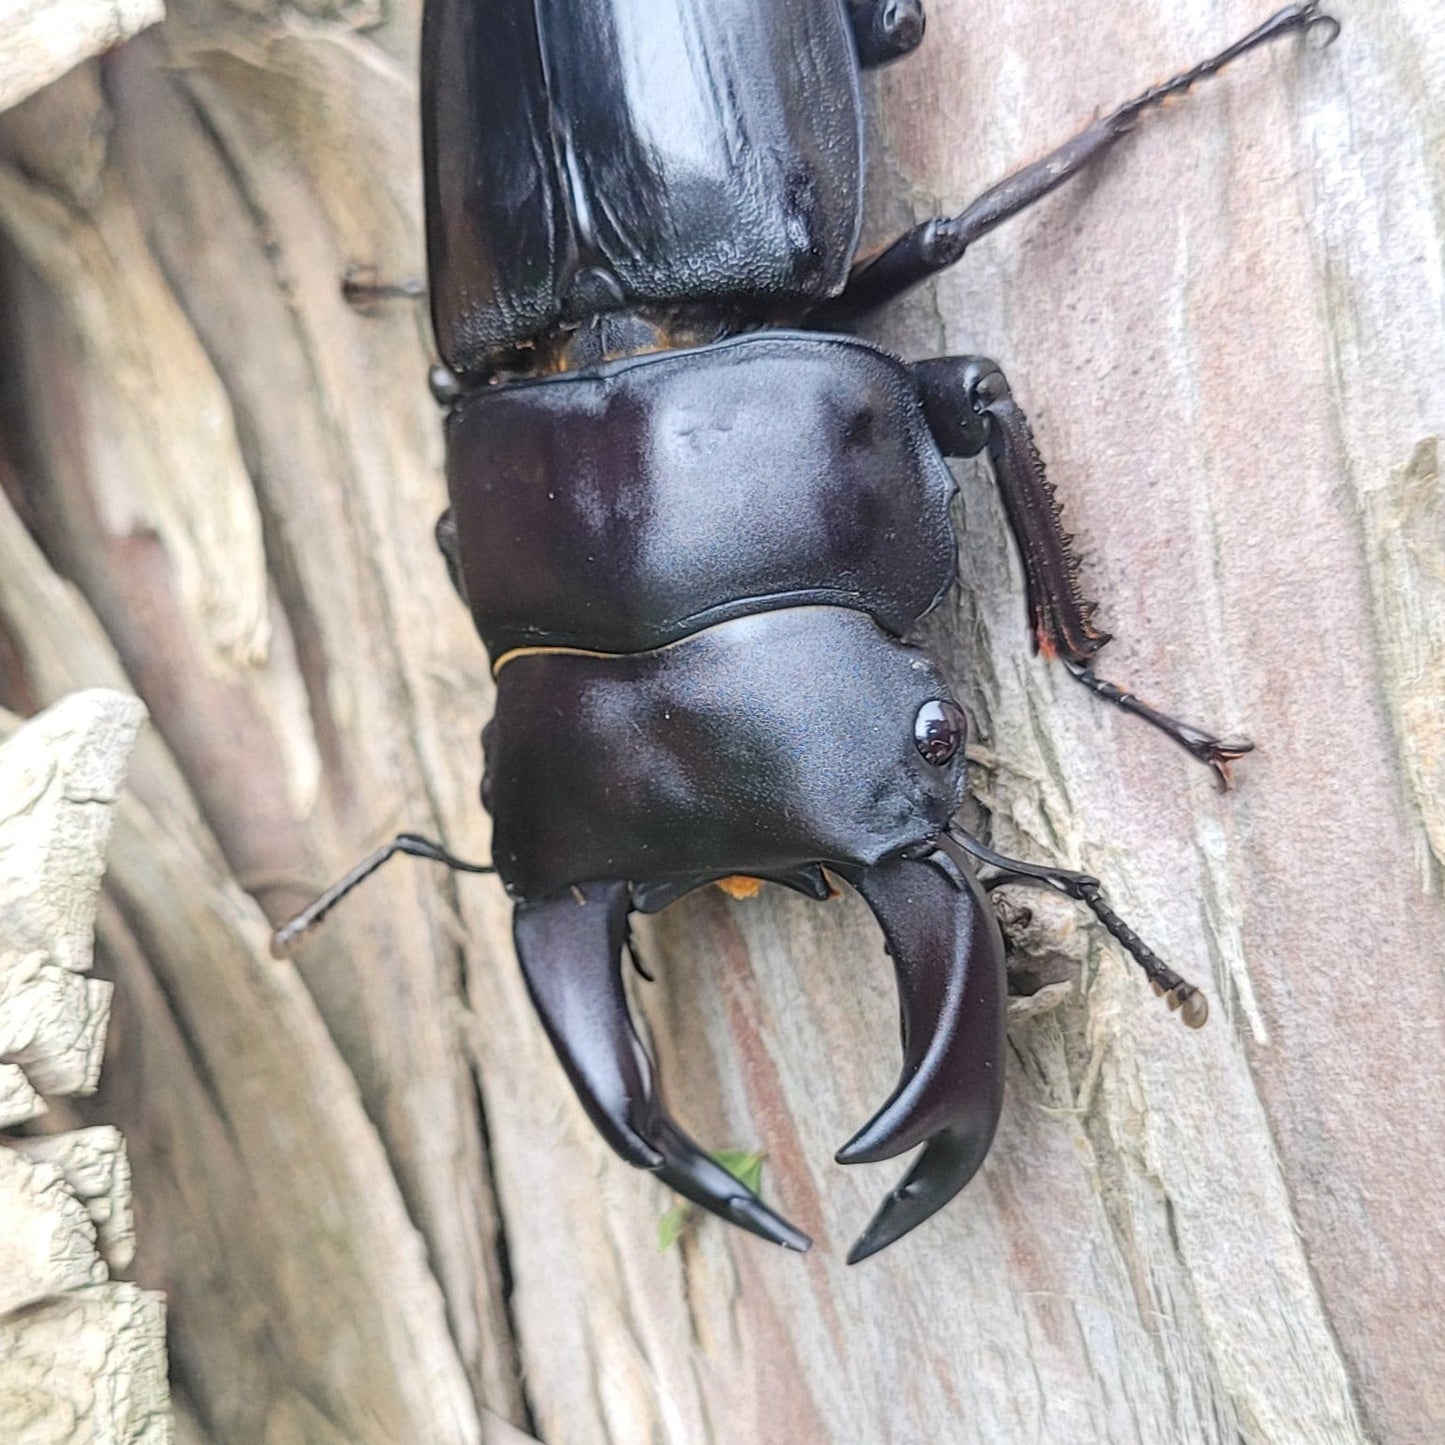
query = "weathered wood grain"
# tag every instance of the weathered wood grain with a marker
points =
(303, 1304)
(1230, 338)
(59, 780)
(1234, 344)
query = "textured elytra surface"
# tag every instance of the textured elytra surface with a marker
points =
(688, 150)
(1228, 341)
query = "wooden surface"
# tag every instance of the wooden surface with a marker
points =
(378, 1212)
(41, 39)
(82, 1357)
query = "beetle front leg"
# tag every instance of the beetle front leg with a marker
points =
(885, 30)
(937, 244)
(970, 407)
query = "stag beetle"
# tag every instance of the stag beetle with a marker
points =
(695, 524)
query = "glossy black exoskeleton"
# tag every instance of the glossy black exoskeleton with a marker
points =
(695, 526)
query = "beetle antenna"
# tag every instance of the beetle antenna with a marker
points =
(1181, 995)
(286, 939)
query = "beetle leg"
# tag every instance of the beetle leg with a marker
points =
(885, 30)
(939, 243)
(570, 949)
(969, 406)
(1181, 995)
(363, 290)
(287, 939)
(949, 959)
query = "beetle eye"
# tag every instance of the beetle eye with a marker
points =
(939, 731)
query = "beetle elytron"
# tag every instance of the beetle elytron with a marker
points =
(695, 542)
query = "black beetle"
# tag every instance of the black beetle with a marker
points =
(695, 542)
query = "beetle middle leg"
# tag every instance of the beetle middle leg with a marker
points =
(970, 408)
(937, 244)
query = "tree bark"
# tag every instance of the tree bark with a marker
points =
(377, 1210)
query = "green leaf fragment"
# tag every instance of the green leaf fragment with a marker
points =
(673, 1223)
(746, 1166)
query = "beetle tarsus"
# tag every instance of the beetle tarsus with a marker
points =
(1317, 19)
(1303, 18)
(1217, 753)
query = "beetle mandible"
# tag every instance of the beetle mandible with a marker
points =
(695, 523)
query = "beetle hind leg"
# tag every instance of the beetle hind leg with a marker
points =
(363, 290)
(949, 960)
(570, 949)
(937, 244)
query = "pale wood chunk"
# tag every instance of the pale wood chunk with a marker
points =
(41, 39)
(59, 776)
(80, 1360)
(18, 1100)
(52, 1023)
(87, 1369)
(96, 1169)
(47, 1245)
